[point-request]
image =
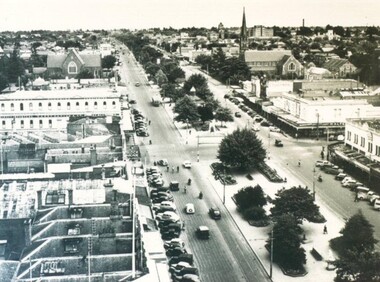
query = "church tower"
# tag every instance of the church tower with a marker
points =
(243, 36)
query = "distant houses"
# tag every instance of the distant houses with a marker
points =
(340, 67)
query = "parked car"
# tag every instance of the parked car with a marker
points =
(189, 208)
(137, 84)
(362, 193)
(187, 164)
(274, 129)
(190, 278)
(350, 184)
(176, 242)
(340, 176)
(178, 266)
(266, 123)
(142, 133)
(237, 114)
(321, 163)
(214, 213)
(373, 197)
(175, 251)
(167, 216)
(184, 257)
(258, 118)
(347, 178)
(187, 270)
(376, 204)
(203, 232)
(332, 170)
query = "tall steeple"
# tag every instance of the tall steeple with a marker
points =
(243, 36)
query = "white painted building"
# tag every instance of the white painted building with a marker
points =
(363, 135)
(51, 110)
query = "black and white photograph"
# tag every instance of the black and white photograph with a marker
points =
(189, 140)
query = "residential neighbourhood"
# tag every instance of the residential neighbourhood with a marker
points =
(228, 153)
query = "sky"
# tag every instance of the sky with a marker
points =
(28, 15)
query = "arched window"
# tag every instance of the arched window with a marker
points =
(22, 123)
(50, 123)
(292, 67)
(12, 107)
(95, 105)
(104, 105)
(2, 106)
(31, 123)
(30, 106)
(41, 123)
(21, 106)
(72, 68)
(59, 105)
(40, 106)
(49, 106)
(68, 105)
(77, 104)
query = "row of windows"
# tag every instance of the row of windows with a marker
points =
(362, 143)
(31, 123)
(59, 105)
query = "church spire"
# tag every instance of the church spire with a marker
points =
(243, 35)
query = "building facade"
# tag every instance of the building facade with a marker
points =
(51, 110)
(340, 67)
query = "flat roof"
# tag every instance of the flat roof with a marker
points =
(61, 94)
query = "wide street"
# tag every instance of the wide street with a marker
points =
(226, 256)
(330, 192)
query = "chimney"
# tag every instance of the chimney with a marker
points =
(114, 198)
(303, 22)
(39, 199)
(70, 196)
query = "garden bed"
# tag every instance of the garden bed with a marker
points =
(222, 173)
(269, 172)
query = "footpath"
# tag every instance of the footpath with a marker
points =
(257, 236)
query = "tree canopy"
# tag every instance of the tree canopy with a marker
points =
(297, 201)
(250, 196)
(242, 148)
(108, 62)
(223, 114)
(287, 240)
(186, 110)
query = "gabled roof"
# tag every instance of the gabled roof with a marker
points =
(56, 60)
(89, 60)
(335, 63)
(266, 56)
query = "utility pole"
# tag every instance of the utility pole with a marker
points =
(271, 255)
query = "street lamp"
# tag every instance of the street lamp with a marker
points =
(317, 126)
(271, 254)
(187, 130)
(224, 185)
(269, 145)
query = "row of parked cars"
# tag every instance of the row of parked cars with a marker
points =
(362, 192)
(140, 124)
(181, 262)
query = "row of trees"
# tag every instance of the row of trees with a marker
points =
(228, 70)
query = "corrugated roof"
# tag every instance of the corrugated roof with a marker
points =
(266, 56)
(91, 60)
(333, 64)
(55, 61)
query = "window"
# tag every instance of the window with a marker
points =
(292, 67)
(356, 138)
(76, 213)
(59, 105)
(12, 107)
(72, 68)
(50, 123)
(349, 135)
(86, 105)
(71, 247)
(104, 105)
(95, 105)
(74, 230)
(370, 147)
(54, 198)
(2, 106)
(77, 105)
(30, 106)
(49, 106)
(68, 105)
(40, 106)
(3, 123)
(31, 123)
(113, 104)
(22, 123)
(377, 150)
(21, 106)
(362, 141)
(41, 123)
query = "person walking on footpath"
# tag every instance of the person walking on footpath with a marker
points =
(325, 229)
(149, 122)
(177, 169)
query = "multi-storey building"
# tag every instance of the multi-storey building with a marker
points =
(51, 110)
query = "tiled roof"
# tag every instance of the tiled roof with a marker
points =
(55, 61)
(266, 56)
(89, 60)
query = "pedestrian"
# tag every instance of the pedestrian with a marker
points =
(154, 163)
(190, 132)
(356, 198)
(150, 142)
(325, 229)
(322, 155)
(299, 163)
(177, 168)
(167, 168)
(149, 122)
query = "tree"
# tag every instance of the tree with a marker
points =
(204, 61)
(255, 213)
(358, 233)
(186, 110)
(223, 115)
(297, 201)
(108, 62)
(84, 74)
(3, 82)
(15, 67)
(196, 81)
(250, 197)
(169, 90)
(203, 92)
(358, 266)
(161, 78)
(151, 68)
(287, 240)
(205, 113)
(241, 149)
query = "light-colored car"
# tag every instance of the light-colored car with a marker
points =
(320, 163)
(255, 127)
(187, 164)
(189, 208)
(274, 129)
(167, 216)
(376, 204)
(347, 178)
